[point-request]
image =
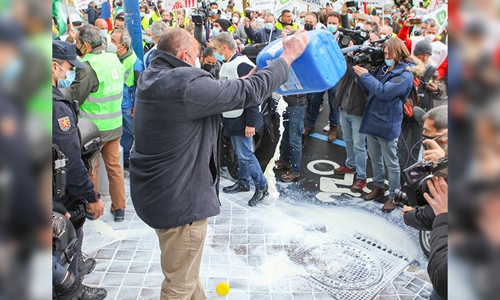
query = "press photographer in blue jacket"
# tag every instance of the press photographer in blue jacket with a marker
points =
(387, 89)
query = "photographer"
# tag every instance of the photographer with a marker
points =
(438, 258)
(435, 130)
(383, 115)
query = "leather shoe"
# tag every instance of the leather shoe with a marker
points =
(119, 214)
(389, 206)
(308, 129)
(332, 135)
(374, 194)
(258, 197)
(235, 188)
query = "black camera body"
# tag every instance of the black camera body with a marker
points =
(59, 162)
(203, 12)
(416, 178)
(368, 56)
(358, 37)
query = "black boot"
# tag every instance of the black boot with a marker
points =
(85, 267)
(235, 188)
(73, 289)
(258, 197)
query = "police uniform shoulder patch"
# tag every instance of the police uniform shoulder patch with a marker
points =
(64, 123)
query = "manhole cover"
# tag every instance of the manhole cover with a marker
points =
(346, 267)
(341, 266)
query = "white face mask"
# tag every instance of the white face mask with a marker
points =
(430, 37)
(236, 19)
(383, 36)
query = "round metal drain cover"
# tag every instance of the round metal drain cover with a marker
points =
(342, 267)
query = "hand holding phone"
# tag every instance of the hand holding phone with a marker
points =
(351, 3)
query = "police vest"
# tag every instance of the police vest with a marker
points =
(229, 70)
(439, 51)
(104, 107)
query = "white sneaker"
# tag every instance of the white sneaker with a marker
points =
(327, 127)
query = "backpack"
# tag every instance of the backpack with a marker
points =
(414, 96)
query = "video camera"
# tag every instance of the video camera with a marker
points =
(203, 12)
(416, 178)
(358, 37)
(368, 56)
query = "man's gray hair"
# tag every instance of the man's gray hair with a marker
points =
(389, 29)
(269, 15)
(175, 40)
(440, 117)
(125, 37)
(226, 38)
(90, 34)
(158, 28)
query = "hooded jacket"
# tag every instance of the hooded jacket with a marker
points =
(384, 109)
(174, 165)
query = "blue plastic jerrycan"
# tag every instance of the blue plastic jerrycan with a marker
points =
(318, 69)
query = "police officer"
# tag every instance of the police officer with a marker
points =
(65, 135)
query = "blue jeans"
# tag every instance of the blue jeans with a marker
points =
(127, 138)
(382, 150)
(248, 164)
(291, 144)
(315, 100)
(355, 143)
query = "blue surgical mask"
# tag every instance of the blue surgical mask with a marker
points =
(142, 14)
(215, 31)
(349, 17)
(148, 39)
(301, 21)
(218, 56)
(65, 83)
(269, 26)
(12, 71)
(197, 64)
(104, 33)
(332, 28)
(389, 62)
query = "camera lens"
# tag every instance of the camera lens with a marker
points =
(401, 198)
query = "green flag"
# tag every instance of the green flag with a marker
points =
(59, 17)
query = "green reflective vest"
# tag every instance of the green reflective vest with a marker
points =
(128, 64)
(279, 25)
(104, 107)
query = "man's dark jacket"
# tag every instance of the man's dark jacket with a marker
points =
(174, 166)
(92, 15)
(348, 87)
(438, 258)
(420, 219)
(262, 35)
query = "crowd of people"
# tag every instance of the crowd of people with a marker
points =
(124, 94)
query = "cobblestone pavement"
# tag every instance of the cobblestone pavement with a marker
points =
(263, 252)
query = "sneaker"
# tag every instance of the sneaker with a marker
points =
(358, 185)
(344, 170)
(308, 130)
(389, 206)
(235, 188)
(258, 197)
(374, 194)
(290, 176)
(327, 127)
(119, 214)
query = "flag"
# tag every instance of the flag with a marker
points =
(59, 17)
(106, 14)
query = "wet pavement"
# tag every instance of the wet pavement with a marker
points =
(314, 242)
